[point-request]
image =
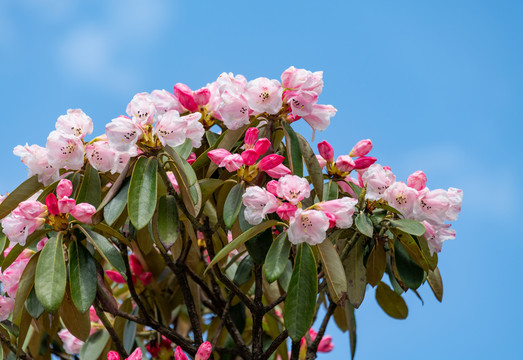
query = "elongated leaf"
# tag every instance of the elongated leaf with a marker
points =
(115, 188)
(82, 276)
(185, 149)
(412, 248)
(392, 303)
(436, 283)
(333, 270)
(106, 249)
(356, 274)
(241, 239)
(431, 258)
(78, 323)
(351, 323)
(50, 276)
(116, 206)
(141, 202)
(168, 220)
(293, 150)
(208, 187)
(233, 204)
(330, 190)
(107, 231)
(285, 277)
(313, 166)
(410, 273)
(94, 345)
(409, 226)
(277, 257)
(259, 246)
(21, 193)
(90, 189)
(364, 225)
(301, 297)
(32, 305)
(376, 264)
(244, 271)
(129, 332)
(25, 286)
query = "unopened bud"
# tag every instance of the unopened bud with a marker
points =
(363, 147)
(345, 163)
(364, 162)
(251, 135)
(326, 151)
(417, 180)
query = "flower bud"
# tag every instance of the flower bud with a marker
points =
(232, 162)
(64, 188)
(218, 155)
(185, 96)
(179, 354)
(262, 146)
(278, 171)
(204, 351)
(249, 157)
(364, 162)
(113, 355)
(272, 187)
(270, 161)
(146, 278)
(286, 211)
(83, 212)
(192, 158)
(344, 163)
(326, 151)
(65, 205)
(202, 96)
(321, 161)
(251, 135)
(52, 204)
(115, 276)
(135, 265)
(417, 180)
(361, 148)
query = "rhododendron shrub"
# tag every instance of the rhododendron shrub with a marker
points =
(200, 225)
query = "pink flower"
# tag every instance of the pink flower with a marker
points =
(146, 278)
(232, 162)
(402, 198)
(75, 123)
(23, 221)
(264, 95)
(72, 345)
(364, 162)
(194, 129)
(362, 148)
(7, 305)
(179, 354)
(35, 158)
(325, 345)
(319, 118)
(326, 151)
(171, 129)
(136, 355)
(270, 162)
(10, 277)
(40, 245)
(192, 158)
(377, 180)
(83, 212)
(251, 136)
(321, 161)
(52, 204)
(165, 101)
(262, 146)
(101, 156)
(308, 226)
(278, 171)
(141, 108)
(258, 203)
(286, 211)
(301, 79)
(217, 155)
(301, 102)
(234, 110)
(342, 210)
(436, 235)
(345, 163)
(66, 205)
(204, 351)
(433, 206)
(293, 188)
(115, 276)
(417, 180)
(344, 186)
(185, 96)
(64, 188)
(272, 187)
(202, 96)
(123, 133)
(65, 151)
(135, 265)
(455, 198)
(174, 183)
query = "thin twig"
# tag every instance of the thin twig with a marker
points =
(107, 324)
(11, 347)
(275, 344)
(257, 315)
(312, 349)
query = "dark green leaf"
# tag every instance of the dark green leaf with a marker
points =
(376, 264)
(21, 193)
(259, 246)
(116, 206)
(233, 204)
(293, 150)
(141, 202)
(91, 188)
(285, 277)
(330, 190)
(364, 224)
(409, 226)
(25, 286)
(244, 271)
(392, 303)
(436, 283)
(208, 187)
(301, 297)
(351, 322)
(356, 274)
(277, 257)
(82, 276)
(167, 220)
(313, 166)
(212, 137)
(412, 248)
(50, 276)
(33, 306)
(185, 149)
(129, 333)
(333, 270)
(410, 273)
(106, 249)
(79, 324)
(94, 345)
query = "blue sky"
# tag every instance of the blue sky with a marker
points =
(437, 86)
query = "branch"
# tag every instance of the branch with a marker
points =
(275, 303)
(107, 324)
(295, 351)
(312, 349)
(275, 344)
(257, 315)
(11, 347)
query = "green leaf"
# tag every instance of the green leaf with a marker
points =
(233, 204)
(436, 283)
(285, 277)
(330, 190)
(78, 323)
(364, 224)
(411, 247)
(25, 286)
(259, 246)
(392, 303)
(106, 249)
(410, 273)
(212, 137)
(94, 345)
(185, 149)
(301, 297)
(129, 333)
(168, 221)
(116, 206)
(33, 306)
(293, 150)
(376, 264)
(333, 270)
(82, 276)
(91, 187)
(115, 188)
(409, 226)
(208, 187)
(277, 257)
(313, 166)
(356, 274)
(255, 230)
(244, 271)
(21, 193)
(141, 202)
(357, 190)
(50, 276)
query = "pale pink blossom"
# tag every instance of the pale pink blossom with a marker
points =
(344, 163)
(194, 129)
(326, 151)
(71, 344)
(173, 181)
(402, 198)
(35, 158)
(293, 188)
(377, 180)
(321, 161)
(7, 305)
(319, 118)
(122, 158)
(65, 151)
(232, 162)
(308, 226)
(141, 108)
(432, 206)
(204, 351)
(362, 148)
(345, 187)
(342, 209)
(83, 212)
(278, 171)
(417, 180)
(202, 96)
(171, 129)
(165, 101)
(272, 187)
(301, 102)
(101, 156)
(10, 277)
(75, 123)
(437, 234)
(217, 155)
(66, 205)
(301, 79)
(23, 221)
(264, 95)
(258, 203)
(234, 110)
(455, 198)
(123, 133)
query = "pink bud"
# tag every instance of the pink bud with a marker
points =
(249, 157)
(218, 155)
(332, 219)
(262, 146)
(113, 355)
(64, 188)
(135, 265)
(192, 158)
(286, 211)
(179, 354)
(41, 244)
(115, 276)
(272, 187)
(364, 162)
(52, 204)
(278, 171)
(185, 96)
(204, 351)
(83, 212)
(387, 168)
(146, 278)
(417, 180)
(270, 161)
(65, 205)
(232, 162)
(326, 151)
(202, 96)
(344, 163)
(251, 135)
(361, 148)
(136, 355)
(321, 161)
